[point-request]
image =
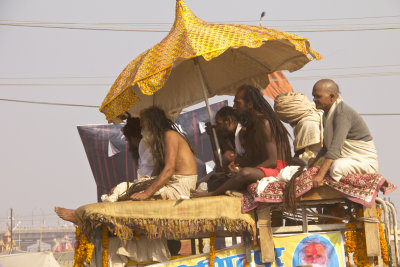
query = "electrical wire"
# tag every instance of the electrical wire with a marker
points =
(47, 103)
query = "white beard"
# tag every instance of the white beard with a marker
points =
(148, 138)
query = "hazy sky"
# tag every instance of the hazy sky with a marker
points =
(47, 58)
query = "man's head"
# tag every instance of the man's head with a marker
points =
(132, 134)
(248, 98)
(314, 253)
(248, 102)
(325, 93)
(226, 120)
(154, 124)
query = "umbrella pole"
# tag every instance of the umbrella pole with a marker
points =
(203, 86)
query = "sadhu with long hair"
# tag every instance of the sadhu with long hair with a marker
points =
(176, 170)
(264, 138)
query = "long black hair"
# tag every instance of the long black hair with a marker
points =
(159, 123)
(253, 95)
(133, 129)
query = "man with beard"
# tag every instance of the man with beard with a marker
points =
(175, 165)
(227, 128)
(176, 171)
(263, 137)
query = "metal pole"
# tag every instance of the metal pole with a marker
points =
(203, 85)
(396, 240)
(11, 231)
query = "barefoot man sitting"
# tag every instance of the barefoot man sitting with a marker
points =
(265, 142)
(175, 165)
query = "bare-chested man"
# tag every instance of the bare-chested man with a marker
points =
(264, 139)
(175, 163)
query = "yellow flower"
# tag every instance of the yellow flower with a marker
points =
(212, 249)
(104, 256)
(83, 250)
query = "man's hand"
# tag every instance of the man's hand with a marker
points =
(317, 180)
(209, 127)
(140, 196)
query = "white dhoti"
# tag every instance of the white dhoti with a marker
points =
(144, 249)
(356, 157)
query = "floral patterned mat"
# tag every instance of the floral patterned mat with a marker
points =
(359, 188)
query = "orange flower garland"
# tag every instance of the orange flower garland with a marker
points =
(246, 262)
(104, 256)
(83, 249)
(212, 249)
(384, 248)
(355, 243)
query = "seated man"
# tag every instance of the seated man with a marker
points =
(228, 128)
(306, 121)
(141, 155)
(347, 141)
(265, 142)
(175, 162)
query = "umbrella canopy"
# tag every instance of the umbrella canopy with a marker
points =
(197, 55)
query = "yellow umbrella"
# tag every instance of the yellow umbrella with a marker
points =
(197, 60)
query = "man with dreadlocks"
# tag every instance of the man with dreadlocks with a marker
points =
(264, 139)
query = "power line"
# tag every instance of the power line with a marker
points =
(156, 27)
(77, 105)
(113, 77)
(354, 67)
(82, 28)
(355, 75)
(323, 19)
(47, 103)
(349, 75)
(58, 77)
(379, 114)
(55, 84)
(220, 21)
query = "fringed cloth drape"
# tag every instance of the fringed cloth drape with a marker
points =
(359, 188)
(166, 218)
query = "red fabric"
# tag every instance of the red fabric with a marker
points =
(280, 164)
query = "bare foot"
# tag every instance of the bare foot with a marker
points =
(66, 214)
(196, 194)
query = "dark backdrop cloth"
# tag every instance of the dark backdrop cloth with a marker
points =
(109, 158)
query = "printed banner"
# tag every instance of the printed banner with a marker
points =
(317, 250)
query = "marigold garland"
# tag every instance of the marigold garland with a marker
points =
(83, 249)
(355, 243)
(212, 249)
(382, 239)
(246, 262)
(104, 256)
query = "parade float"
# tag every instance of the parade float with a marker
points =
(335, 225)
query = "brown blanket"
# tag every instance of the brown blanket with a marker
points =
(166, 218)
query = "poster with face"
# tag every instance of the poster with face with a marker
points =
(297, 250)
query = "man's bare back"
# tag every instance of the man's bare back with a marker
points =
(185, 163)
